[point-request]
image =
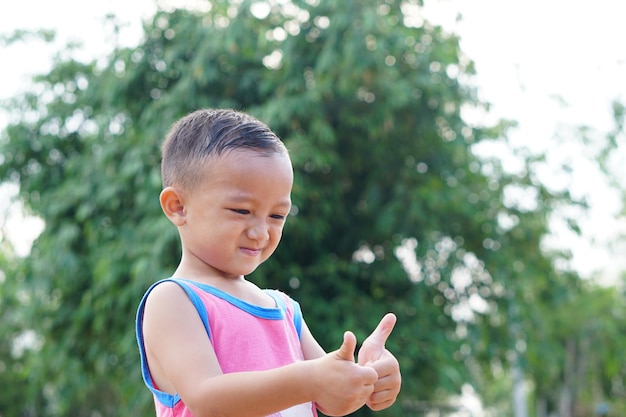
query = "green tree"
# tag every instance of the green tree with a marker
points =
(392, 210)
(13, 332)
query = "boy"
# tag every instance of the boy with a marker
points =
(213, 343)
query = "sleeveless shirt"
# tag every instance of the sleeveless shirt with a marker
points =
(245, 337)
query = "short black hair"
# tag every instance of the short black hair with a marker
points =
(208, 133)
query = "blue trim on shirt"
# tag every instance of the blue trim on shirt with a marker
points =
(297, 317)
(164, 398)
(274, 313)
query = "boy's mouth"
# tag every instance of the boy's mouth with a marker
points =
(250, 251)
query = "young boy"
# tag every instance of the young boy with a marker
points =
(213, 343)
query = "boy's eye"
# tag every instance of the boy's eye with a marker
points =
(278, 216)
(241, 211)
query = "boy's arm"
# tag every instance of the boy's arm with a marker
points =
(310, 348)
(182, 361)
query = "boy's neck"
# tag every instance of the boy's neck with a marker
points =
(236, 286)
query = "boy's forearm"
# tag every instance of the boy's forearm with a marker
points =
(257, 393)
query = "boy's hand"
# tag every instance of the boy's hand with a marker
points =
(373, 354)
(344, 386)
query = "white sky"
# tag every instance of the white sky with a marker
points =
(527, 53)
(74, 21)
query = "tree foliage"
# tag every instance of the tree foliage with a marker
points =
(392, 209)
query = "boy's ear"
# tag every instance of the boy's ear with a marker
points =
(172, 205)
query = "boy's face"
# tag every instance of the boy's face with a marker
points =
(233, 219)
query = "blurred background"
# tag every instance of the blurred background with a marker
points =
(457, 162)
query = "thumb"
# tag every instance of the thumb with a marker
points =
(374, 346)
(346, 351)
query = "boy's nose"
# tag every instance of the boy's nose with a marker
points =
(259, 231)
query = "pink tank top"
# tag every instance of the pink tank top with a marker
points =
(245, 337)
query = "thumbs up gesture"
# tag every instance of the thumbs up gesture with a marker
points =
(345, 386)
(342, 385)
(373, 354)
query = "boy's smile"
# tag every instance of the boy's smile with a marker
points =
(232, 221)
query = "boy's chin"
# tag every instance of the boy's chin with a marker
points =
(244, 271)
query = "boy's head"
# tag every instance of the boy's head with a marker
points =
(209, 133)
(227, 187)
